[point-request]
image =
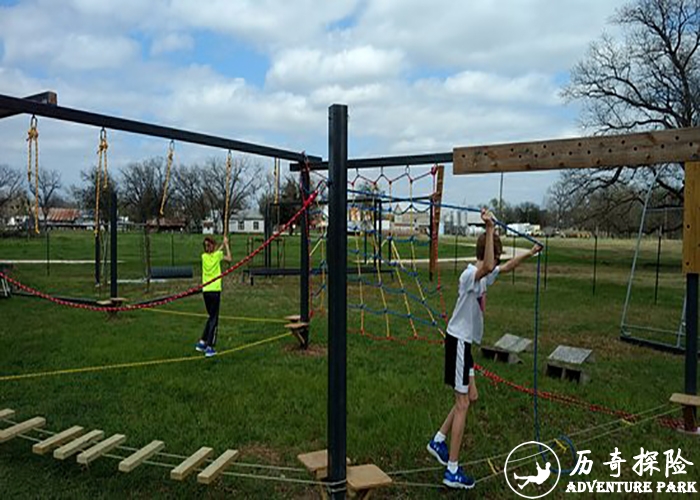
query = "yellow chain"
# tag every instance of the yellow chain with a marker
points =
(33, 138)
(229, 163)
(101, 165)
(171, 154)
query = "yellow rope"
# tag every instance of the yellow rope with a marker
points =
(359, 276)
(138, 363)
(392, 246)
(229, 161)
(33, 139)
(101, 165)
(171, 154)
(235, 318)
(377, 260)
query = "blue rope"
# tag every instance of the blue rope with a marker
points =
(458, 208)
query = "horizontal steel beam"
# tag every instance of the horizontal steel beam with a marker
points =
(17, 105)
(44, 97)
(384, 161)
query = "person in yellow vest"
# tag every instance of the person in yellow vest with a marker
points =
(211, 268)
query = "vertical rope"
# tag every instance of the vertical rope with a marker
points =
(101, 165)
(168, 166)
(403, 289)
(33, 139)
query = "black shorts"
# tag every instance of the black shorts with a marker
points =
(458, 363)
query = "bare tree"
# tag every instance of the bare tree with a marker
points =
(648, 79)
(189, 199)
(49, 182)
(84, 195)
(10, 185)
(142, 188)
(244, 183)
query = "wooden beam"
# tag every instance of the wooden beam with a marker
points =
(214, 470)
(101, 448)
(630, 150)
(21, 428)
(43, 98)
(7, 413)
(435, 229)
(685, 399)
(691, 218)
(57, 440)
(73, 447)
(137, 458)
(183, 470)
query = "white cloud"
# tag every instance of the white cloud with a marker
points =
(172, 42)
(301, 69)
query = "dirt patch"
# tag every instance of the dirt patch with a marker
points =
(262, 453)
(313, 351)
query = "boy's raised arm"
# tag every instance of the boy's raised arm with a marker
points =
(516, 261)
(489, 259)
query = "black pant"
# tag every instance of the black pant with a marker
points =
(212, 300)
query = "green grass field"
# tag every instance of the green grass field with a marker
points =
(268, 400)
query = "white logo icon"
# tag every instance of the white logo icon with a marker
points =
(521, 481)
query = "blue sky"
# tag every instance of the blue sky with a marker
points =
(418, 76)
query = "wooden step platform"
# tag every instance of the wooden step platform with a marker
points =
(363, 479)
(300, 330)
(217, 467)
(293, 318)
(140, 456)
(188, 466)
(20, 428)
(57, 440)
(96, 451)
(6, 413)
(71, 448)
(690, 404)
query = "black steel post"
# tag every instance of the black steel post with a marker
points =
(546, 258)
(658, 265)
(113, 245)
(337, 299)
(268, 233)
(513, 271)
(595, 260)
(172, 249)
(304, 266)
(98, 258)
(48, 252)
(432, 250)
(379, 234)
(691, 335)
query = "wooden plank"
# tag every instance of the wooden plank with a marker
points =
(314, 461)
(57, 440)
(73, 447)
(214, 470)
(437, 202)
(140, 456)
(21, 428)
(631, 150)
(190, 464)
(294, 318)
(365, 477)
(691, 219)
(296, 326)
(7, 413)
(685, 399)
(101, 448)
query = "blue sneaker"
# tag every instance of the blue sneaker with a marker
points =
(200, 346)
(458, 480)
(439, 451)
(209, 352)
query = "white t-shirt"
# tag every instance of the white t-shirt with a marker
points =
(467, 321)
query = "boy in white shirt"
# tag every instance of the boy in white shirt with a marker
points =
(466, 326)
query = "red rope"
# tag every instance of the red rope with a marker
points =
(170, 298)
